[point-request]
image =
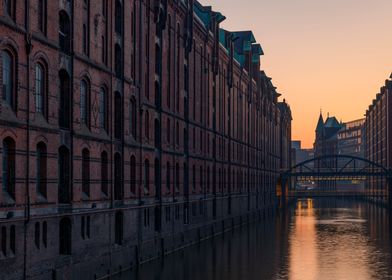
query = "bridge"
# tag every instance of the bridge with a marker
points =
(326, 171)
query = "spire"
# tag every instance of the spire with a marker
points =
(320, 123)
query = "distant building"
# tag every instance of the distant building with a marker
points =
(326, 143)
(350, 139)
(300, 154)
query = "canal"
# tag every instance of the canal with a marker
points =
(314, 239)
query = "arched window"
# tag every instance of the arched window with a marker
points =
(103, 109)
(64, 33)
(118, 188)
(86, 172)
(65, 100)
(42, 16)
(9, 167)
(41, 169)
(118, 17)
(65, 236)
(104, 172)
(84, 103)
(119, 228)
(132, 117)
(168, 177)
(146, 176)
(118, 61)
(8, 78)
(40, 89)
(133, 174)
(9, 8)
(147, 125)
(117, 115)
(64, 191)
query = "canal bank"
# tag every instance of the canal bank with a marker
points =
(312, 239)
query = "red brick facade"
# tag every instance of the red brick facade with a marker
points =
(125, 123)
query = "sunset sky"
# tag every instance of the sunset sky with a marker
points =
(328, 54)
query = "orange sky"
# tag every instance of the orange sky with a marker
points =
(329, 54)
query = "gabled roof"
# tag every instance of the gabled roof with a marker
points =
(332, 122)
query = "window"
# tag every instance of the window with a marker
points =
(13, 239)
(37, 235)
(105, 8)
(118, 17)
(65, 106)
(194, 178)
(177, 134)
(9, 8)
(177, 184)
(132, 117)
(157, 178)
(40, 89)
(146, 217)
(86, 172)
(84, 103)
(117, 116)
(168, 131)
(42, 16)
(64, 33)
(45, 234)
(103, 111)
(65, 236)
(64, 191)
(157, 134)
(9, 167)
(133, 174)
(146, 176)
(8, 78)
(118, 188)
(4, 240)
(119, 228)
(41, 169)
(104, 173)
(86, 27)
(147, 126)
(168, 176)
(118, 61)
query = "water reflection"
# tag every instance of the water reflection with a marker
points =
(315, 239)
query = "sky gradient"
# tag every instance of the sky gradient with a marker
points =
(332, 55)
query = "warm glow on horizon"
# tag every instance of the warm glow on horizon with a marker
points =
(332, 55)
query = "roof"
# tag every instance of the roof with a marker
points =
(332, 122)
(320, 124)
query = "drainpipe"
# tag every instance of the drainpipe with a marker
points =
(28, 49)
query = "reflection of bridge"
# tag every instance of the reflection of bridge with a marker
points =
(337, 168)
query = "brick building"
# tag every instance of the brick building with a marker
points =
(378, 135)
(128, 129)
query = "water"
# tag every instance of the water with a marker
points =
(313, 240)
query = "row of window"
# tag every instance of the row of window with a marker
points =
(64, 193)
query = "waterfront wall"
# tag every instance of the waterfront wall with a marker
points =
(128, 128)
